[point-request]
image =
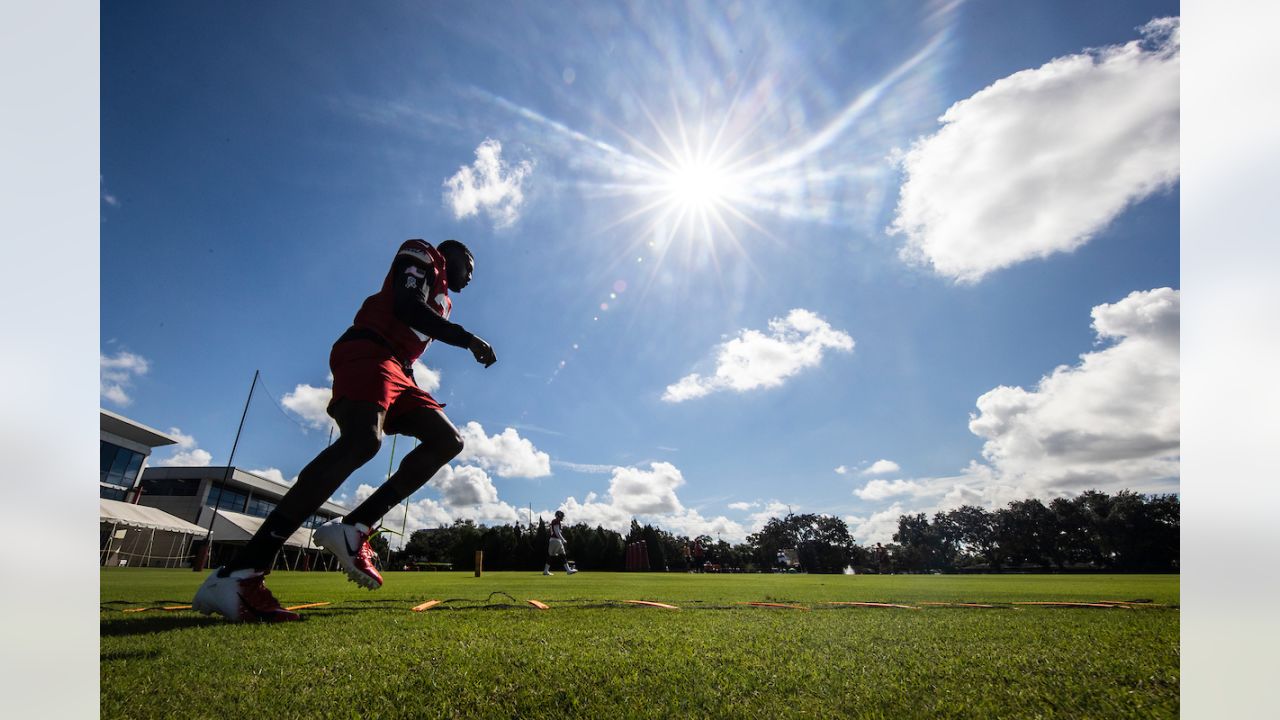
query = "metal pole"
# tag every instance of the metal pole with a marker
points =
(391, 461)
(208, 545)
(106, 552)
(404, 523)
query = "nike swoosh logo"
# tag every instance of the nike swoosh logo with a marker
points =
(277, 536)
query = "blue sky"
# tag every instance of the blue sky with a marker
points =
(730, 255)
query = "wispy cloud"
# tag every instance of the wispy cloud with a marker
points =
(593, 468)
(1042, 160)
(488, 185)
(765, 360)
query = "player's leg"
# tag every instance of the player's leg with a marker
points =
(439, 442)
(360, 426)
(348, 538)
(236, 591)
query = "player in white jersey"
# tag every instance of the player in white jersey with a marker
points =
(557, 548)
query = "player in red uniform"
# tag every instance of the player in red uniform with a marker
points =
(373, 391)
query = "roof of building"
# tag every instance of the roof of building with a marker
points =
(122, 513)
(240, 478)
(133, 430)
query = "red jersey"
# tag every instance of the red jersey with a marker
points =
(418, 266)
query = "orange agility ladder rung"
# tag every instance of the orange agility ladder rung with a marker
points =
(774, 605)
(426, 605)
(308, 605)
(652, 604)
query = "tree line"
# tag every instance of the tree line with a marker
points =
(1094, 531)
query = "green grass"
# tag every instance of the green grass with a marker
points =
(591, 656)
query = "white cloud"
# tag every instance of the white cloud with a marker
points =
(884, 489)
(647, 492)
(1040, 161)
(427, 378)
(488, 185)
(117, 373)
(741, 506)
(758, 360)
(465, 486)
(880, 527)
(506, 454)
(692, 524)
(275, 474)
(466, 493)
(186, 453)
(1109, 422)
(842, 470)
(770, 510)
(882, 467)
(310, 404)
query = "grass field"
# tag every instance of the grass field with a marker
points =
(486, 653)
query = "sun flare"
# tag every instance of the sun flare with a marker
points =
(699, 186)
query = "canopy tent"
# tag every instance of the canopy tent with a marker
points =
(237, 527)
(144, 536)
(141, 516)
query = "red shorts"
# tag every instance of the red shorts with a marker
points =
(364, 370)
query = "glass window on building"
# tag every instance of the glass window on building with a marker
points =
(119, 465)
(260, 507)
(170, 486)
(224, 498)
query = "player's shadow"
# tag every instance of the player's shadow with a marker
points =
(129, 655)
(154, 624)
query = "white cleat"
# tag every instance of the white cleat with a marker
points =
(239, 596)
(350, 544)
(547, 572)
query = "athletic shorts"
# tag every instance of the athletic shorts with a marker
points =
(555, 547)
(364, 370)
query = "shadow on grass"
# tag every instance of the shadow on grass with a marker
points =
(154, 624)
(129, 655)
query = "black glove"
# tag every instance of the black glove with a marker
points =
(482, 351)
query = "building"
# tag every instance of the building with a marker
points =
(125, 446)
(233, 503)
(130, 534)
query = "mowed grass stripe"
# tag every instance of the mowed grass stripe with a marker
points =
(482, 655)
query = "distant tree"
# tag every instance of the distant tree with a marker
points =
(921, 545)
(974, 530)
(1023, 530)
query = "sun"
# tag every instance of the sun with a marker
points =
(699, 186)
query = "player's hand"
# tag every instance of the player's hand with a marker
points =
(482, 351)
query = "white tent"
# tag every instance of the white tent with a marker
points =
(141, 516)
(237, 527)
(129, 535)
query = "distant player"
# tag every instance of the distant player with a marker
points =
(373, 391)
(557, 548)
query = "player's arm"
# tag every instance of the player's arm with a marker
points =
(412, 282)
